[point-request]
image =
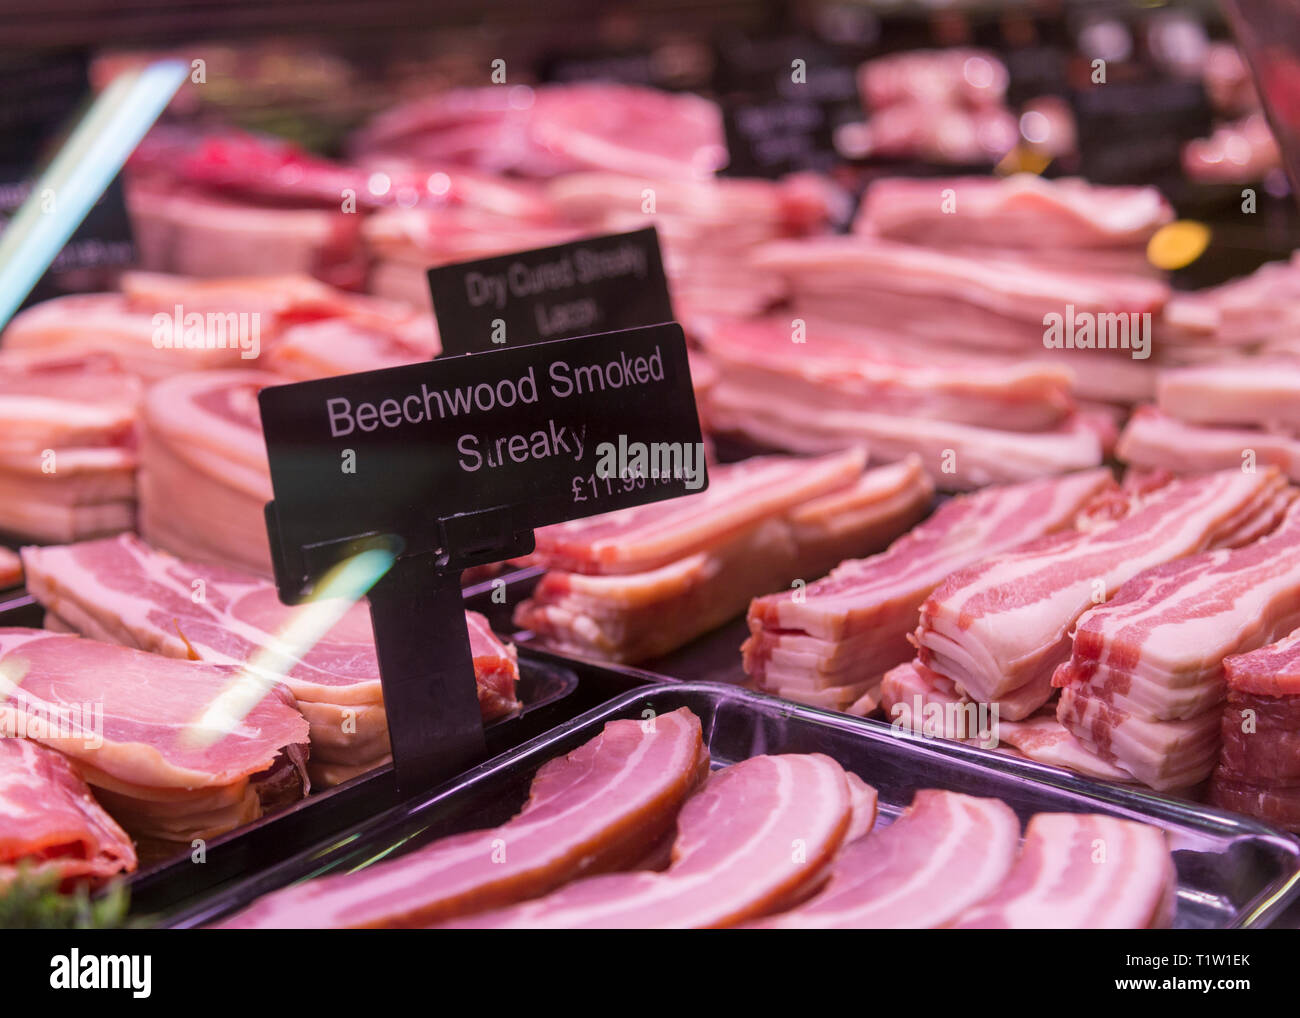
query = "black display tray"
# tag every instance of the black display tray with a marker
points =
(1232, 871)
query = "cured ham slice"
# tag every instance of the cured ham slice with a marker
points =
(173, 749)
(1155, 440)
(719, 552)
(1145, 685)
(830, 368)
(944, 854)
(50, 823)
(758, 836)
(1259, 393)
(1083, 872)
(1022, 212)
(999, 629)
(851, 627)
(595, 810)
(1258, 771)
(122, 591)
(932, 295)
(959, 456)
(67, 437)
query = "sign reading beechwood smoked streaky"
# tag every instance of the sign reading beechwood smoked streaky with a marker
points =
(533, 435)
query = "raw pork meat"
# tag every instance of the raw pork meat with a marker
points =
(1144, 686)
(542, 132)
(204, 477)
(1092, 226)
(175, 750)
(674, 570)
(1258, 772)
(50, 823)
(707, 229)
(958, 456)
(831, 368)
(1259, 393)
(600, 808)
(852, 626)
(1154, 440)
(67, 445)
(932, 295)
(731, 861)
(1083, 871)
(1000, 628)
(945, 853)
(126, 324)
(121, 591)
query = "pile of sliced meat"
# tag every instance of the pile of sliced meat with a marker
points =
(830, 643)
(161, 325)
(1144, 686)
(942, 106)
(204, 476)
(625, 832)
(477, 216)
(808, 386)
(50, 822)
(121, 591)
(992, 304)
(1258, 771)
(707, 229)
(999, 629)
(1065, 223)
(174, 750)
(547, 131)
(1243, 315)
(638, 583)
(67, 445)
(1242, 413)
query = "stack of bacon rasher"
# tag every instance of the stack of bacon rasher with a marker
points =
(846, 630)
(174, 750)
(122, 591)
(67, 445)
(638, 583)
(1259, 766)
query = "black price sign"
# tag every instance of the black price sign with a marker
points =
(453, 462)
(1133, 132)
(599, 284)
(782, 101)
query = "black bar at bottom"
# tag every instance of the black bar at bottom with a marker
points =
(427, 669)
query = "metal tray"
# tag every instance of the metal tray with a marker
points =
(1232, 871)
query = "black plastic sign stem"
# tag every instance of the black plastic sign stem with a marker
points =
(452, 463)
(598, 284)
